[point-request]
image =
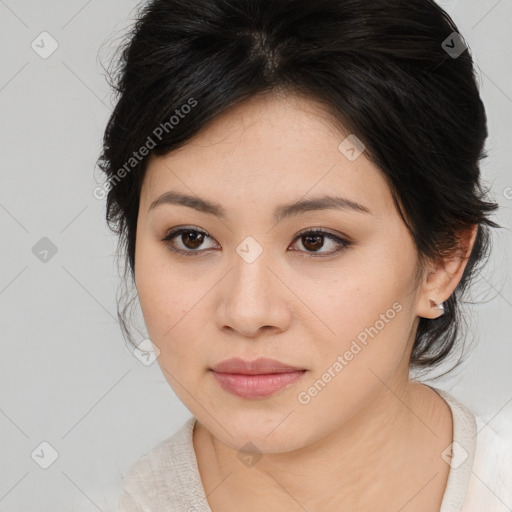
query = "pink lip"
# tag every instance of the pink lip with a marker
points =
(255, 379)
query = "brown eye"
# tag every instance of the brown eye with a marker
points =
(192, 239)
(189, 238)
(313, 243)
(314, 240)
(188, 242)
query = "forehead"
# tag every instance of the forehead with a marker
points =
(267, 148)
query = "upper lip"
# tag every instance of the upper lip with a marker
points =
(259, 366)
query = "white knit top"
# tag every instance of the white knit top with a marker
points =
(480, 479)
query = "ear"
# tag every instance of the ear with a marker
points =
(442, 278)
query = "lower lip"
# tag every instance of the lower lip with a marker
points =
(256, 386)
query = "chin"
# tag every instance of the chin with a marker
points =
(262, 431)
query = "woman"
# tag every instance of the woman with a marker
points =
(296, 186)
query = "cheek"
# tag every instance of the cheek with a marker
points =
(369, 330)
(368, 310)
(169, 304)
(161, 299)
(165, 307)
(367, 349)
(356, 300)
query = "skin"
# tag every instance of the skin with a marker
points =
(371, 439)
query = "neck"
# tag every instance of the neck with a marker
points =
(373, 462)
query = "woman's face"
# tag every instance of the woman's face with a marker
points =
(343, 309)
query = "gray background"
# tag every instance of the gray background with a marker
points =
(66, 376)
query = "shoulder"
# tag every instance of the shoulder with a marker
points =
(491, 477)
(167, 457)
(485, 440)
(494, 441)
(148, 484)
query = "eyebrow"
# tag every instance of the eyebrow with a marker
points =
(283, 211)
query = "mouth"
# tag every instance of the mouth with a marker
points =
(255, 379)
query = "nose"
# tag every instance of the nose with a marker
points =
(253, 299)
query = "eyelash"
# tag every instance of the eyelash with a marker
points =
(173, 233)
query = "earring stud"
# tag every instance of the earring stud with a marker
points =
(440, 306)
